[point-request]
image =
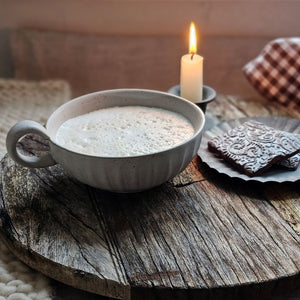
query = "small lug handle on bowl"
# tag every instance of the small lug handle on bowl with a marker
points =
(16, 133)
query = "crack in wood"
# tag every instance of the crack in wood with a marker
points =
(78, 243)
(6, 222)
(173, 254)
(66, 207)
(180, 185)
(249, 245)
(115, 256)
(204, 240)
(269, 234)
(225, 240)
(152, 275)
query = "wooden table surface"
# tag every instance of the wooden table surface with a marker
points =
(201, 234)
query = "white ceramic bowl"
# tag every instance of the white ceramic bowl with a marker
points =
(120, 174)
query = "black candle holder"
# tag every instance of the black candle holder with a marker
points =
(208, 95)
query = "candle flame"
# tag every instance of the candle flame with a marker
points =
(193, 39)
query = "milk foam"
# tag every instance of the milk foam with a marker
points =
(124, 131)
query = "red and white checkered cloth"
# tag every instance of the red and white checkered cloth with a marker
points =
(275, 73)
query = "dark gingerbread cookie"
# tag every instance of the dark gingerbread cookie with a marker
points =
(290, 163)
(254, 147)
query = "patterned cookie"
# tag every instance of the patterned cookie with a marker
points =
(254, 147)
(290, 163)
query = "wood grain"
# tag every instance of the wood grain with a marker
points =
(227, 108)
(199, 235)
(194, 236)
(202, 236)
(54, 233)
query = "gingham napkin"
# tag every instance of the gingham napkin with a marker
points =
(275, 72)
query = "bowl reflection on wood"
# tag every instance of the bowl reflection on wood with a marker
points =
(208, 95)
(118, 174)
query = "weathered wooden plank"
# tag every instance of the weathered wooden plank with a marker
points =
(225, 108)
(194, 236)
(204, 236)
(229, 108)
(263, 107)
(47, 228)
(286, 200)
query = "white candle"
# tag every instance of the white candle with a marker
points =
(191, 75)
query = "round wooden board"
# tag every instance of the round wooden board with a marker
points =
(210, 238)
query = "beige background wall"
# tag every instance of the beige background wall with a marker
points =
(152, 17)
(139, 42)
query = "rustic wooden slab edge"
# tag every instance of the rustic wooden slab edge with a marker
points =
(146, 207)
(75, 278)
(262, 291)
(92, 281)
(193, 178)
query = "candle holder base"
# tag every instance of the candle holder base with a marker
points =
(209, 94)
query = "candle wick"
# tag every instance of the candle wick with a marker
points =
(192, 56)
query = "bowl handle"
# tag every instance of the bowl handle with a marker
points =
(16, 133)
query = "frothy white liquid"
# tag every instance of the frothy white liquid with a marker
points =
(124, 131)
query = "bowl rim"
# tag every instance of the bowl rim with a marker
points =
(195, 135)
